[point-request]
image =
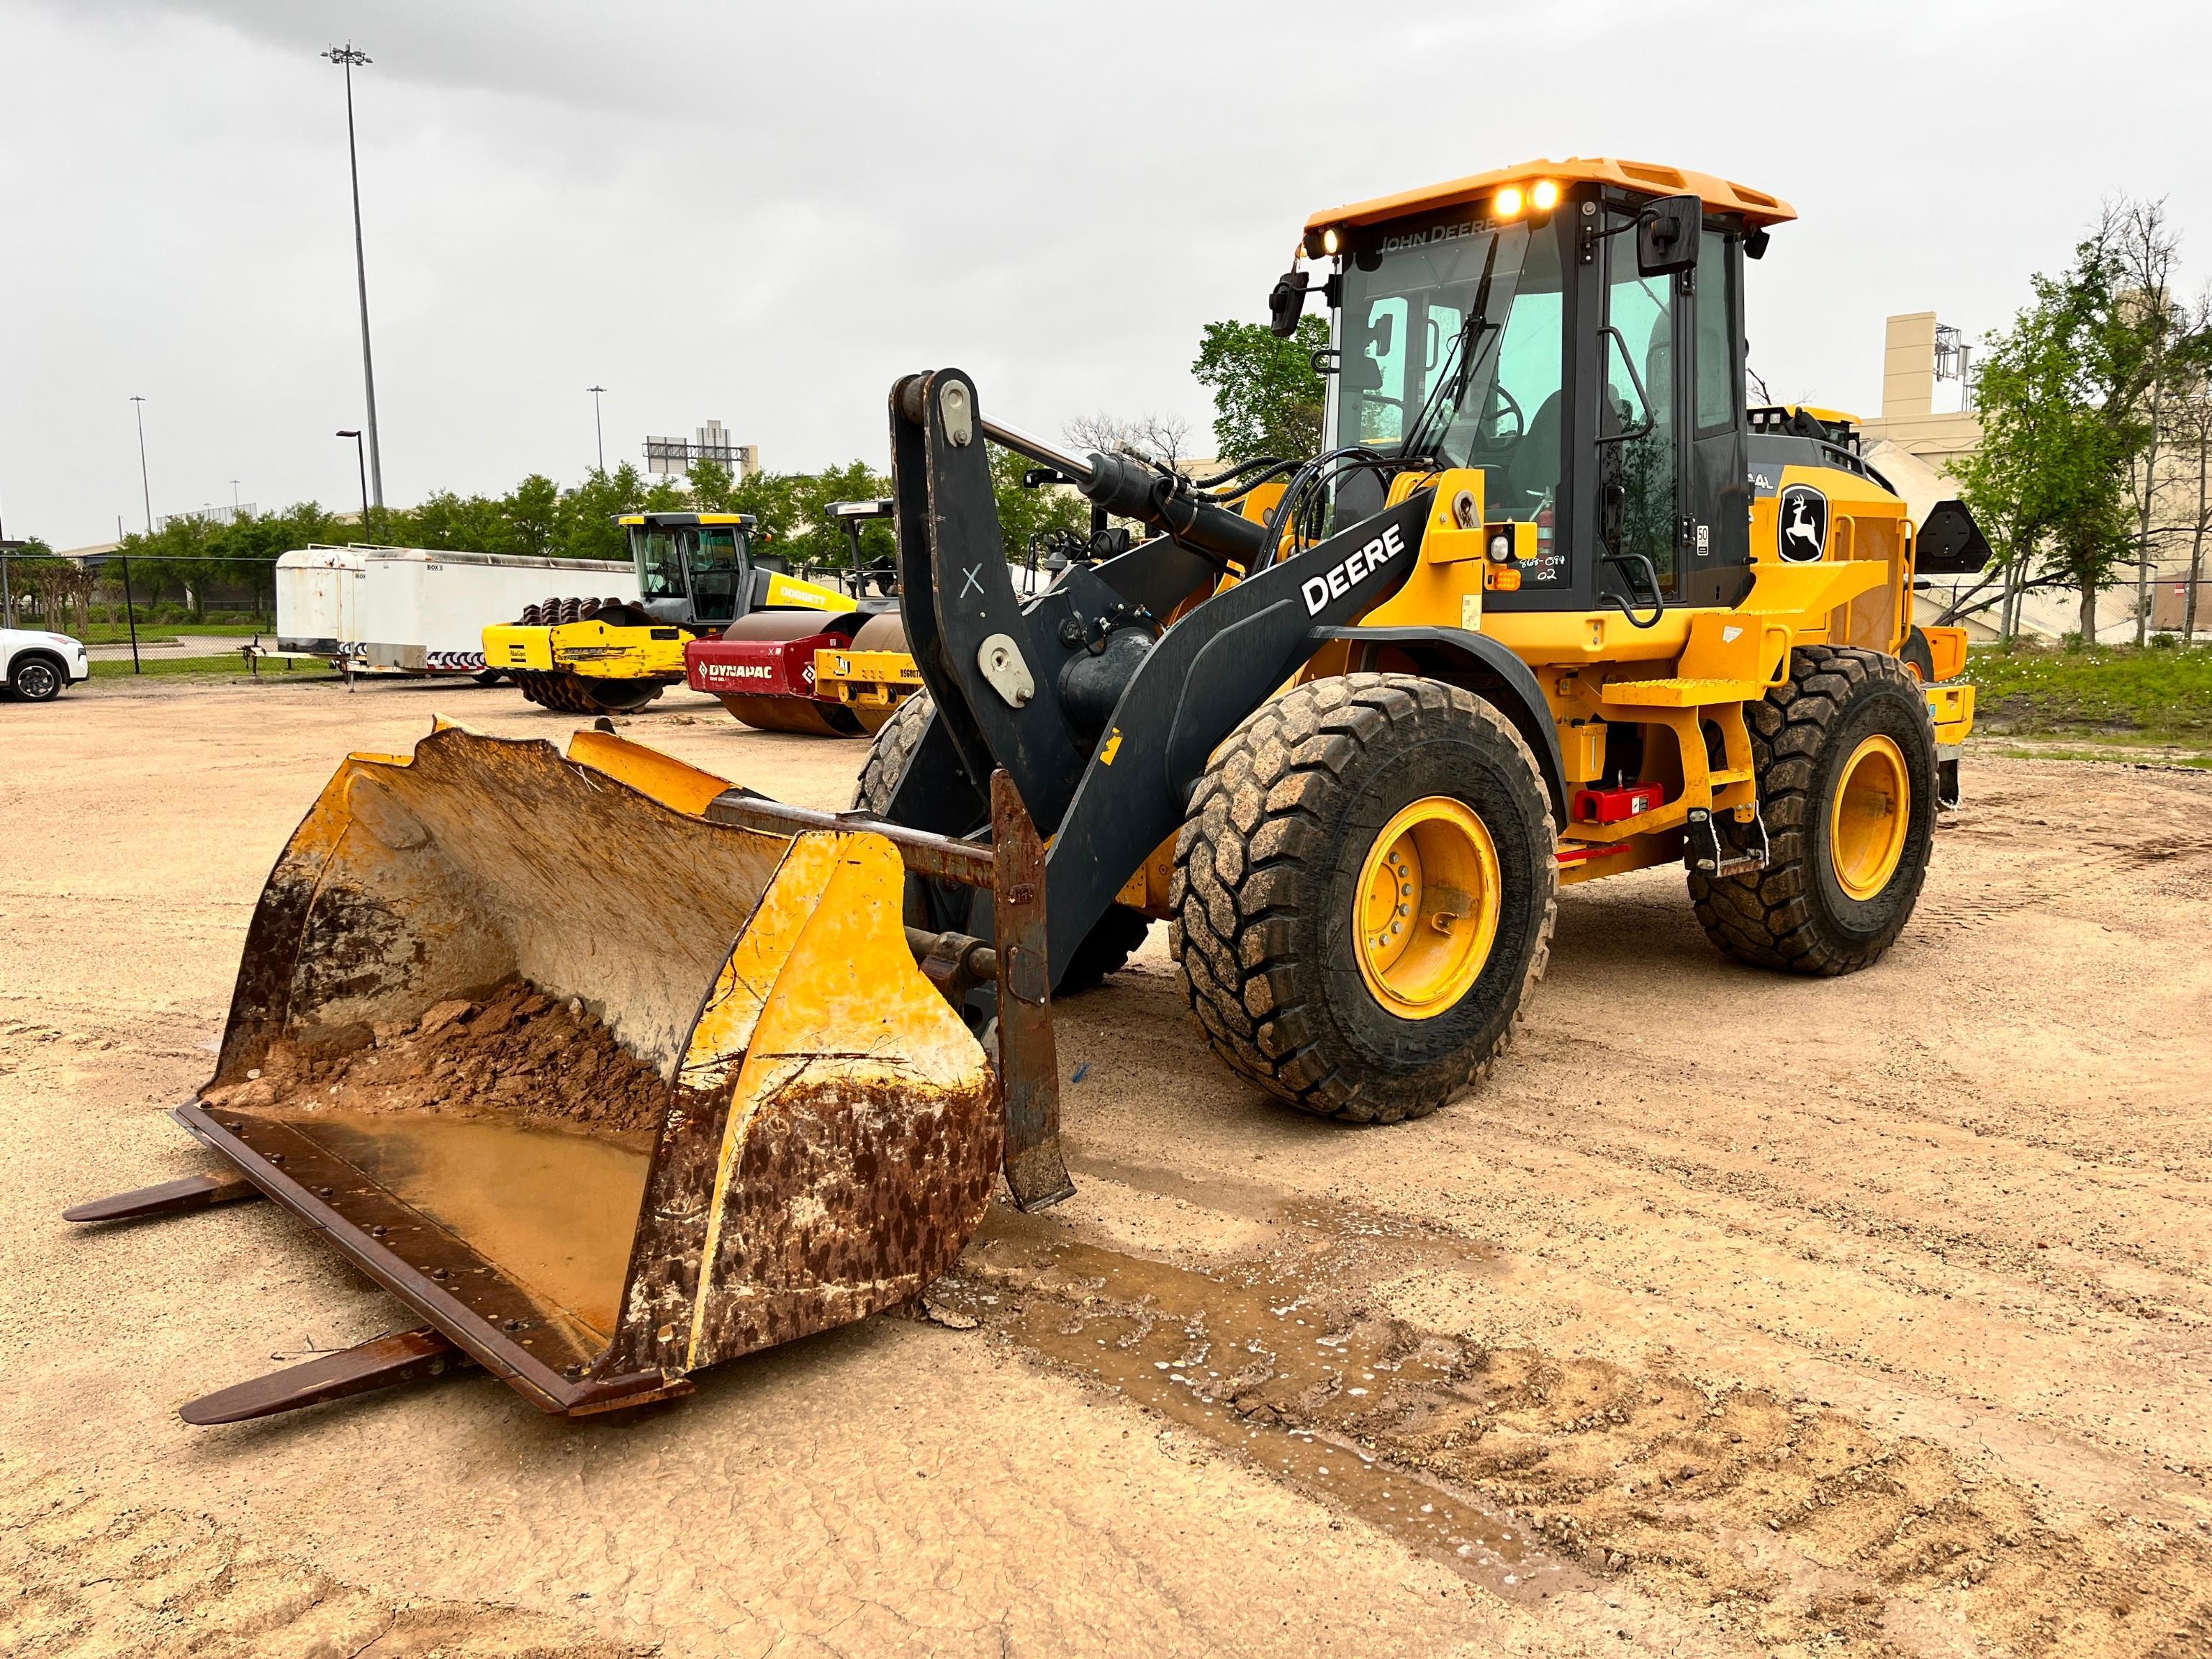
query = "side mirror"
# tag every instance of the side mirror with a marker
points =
(1286, 302)
(1667, 235)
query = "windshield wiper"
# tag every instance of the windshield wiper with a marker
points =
(1467, 345)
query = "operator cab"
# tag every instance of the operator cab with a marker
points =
(693, 568)
(1575, 330)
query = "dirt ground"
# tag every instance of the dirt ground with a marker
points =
(1738, 1314)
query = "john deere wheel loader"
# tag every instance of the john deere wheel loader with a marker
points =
(700, 577)
(1549, 606)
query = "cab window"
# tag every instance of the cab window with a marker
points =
(1716, 376)
(1639, 469)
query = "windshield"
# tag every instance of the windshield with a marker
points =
(1453, 341)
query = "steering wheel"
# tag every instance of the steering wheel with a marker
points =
(1502, 403)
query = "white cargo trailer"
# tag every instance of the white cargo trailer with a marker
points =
(413, 610)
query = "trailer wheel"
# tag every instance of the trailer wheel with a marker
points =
(1845, 756)
(1113, 939)
(1364, 894)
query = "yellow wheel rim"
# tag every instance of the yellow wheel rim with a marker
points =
(1426, 908)
(1867, 820)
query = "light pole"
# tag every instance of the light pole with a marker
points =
(138, 410)
(348, 57)
(598, 430)
(364, 530)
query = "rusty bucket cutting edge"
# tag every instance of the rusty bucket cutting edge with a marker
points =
(829, 1133)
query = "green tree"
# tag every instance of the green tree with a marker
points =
(2061, 399)
(791, 511)
(1266, 397)
(531, 510)
(825, 541)
(584, 518)
(1026, 513)
(714, 487)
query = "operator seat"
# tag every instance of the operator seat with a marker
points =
(1534, 470)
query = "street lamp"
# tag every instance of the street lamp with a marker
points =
(358, 461)
(348, 57)
(599, 431)
(138, 410)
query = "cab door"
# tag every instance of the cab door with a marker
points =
(717, 575)
(1672, 487)
(1714, 550)
(1640, 463)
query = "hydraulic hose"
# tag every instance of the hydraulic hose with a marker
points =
(1128, 488)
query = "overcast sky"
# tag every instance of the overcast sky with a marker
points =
(764, 214)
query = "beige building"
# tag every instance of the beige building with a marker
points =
(1915, 445)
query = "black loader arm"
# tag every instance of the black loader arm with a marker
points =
(1103, 728)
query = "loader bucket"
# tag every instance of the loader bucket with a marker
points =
(606, 1089)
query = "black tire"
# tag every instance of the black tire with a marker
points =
(1112, 940)
(490, 676)
(1266, 873)
(1917, 655)
(892, 753)
(38, 679)
(1106, 948)
(1796, 914)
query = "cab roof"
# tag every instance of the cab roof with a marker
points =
(685, 521)
(1720, 195)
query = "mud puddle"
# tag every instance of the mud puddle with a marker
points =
(555, 1213)
(1539, 1475)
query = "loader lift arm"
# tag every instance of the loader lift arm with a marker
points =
(1103, 725)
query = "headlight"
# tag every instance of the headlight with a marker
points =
(1544, 197)
(1507, 203)
(1330, 241)
(1501, 547)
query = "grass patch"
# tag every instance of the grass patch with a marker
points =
(2139, 752)
(2110, 692)
(107, 632)
(227, 665)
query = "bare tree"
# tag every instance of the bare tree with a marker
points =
(1157, 438)
(2188, 425)
(2147, 247)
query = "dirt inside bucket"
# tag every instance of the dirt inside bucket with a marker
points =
(516, 1055)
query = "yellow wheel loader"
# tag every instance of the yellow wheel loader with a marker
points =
(699, 574)
(611, 1070)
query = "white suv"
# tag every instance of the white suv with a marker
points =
(37, 667)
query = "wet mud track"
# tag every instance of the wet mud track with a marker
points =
(1539, 1475)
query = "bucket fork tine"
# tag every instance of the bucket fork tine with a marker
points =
(198, 1192)
(383, 1362)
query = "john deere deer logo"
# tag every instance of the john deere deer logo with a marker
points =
(1801, 524)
